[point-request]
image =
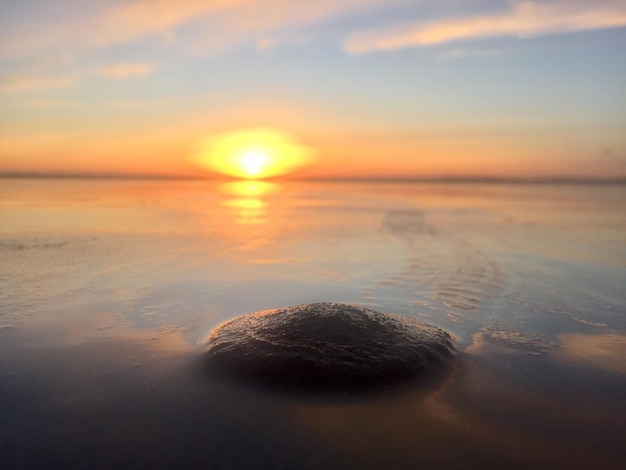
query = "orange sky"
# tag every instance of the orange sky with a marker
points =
(369, 88)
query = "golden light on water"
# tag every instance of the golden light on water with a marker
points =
(248, 200)
(253, 154)
(249, 189)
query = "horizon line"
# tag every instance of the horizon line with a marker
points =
(547, 179)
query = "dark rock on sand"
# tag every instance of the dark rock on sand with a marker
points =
(328, 345)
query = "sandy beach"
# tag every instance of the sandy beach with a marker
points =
(110, 288)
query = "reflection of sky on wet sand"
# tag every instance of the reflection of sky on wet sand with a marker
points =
(602, 351)
(109, 287)
(478, 417)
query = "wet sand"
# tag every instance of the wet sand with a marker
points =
(110, 288)
(130, 404)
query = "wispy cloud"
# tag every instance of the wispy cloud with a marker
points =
(525, 19)
(40, 43)
(38, 80)
(14, 84)
(267, 24)
(97, 25)
(103, 24)
(119, 71)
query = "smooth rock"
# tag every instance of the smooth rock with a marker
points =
(328, 345)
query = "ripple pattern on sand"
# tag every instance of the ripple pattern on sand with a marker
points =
(451, 278)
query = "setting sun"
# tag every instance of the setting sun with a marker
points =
(253, 154)
(253, 162)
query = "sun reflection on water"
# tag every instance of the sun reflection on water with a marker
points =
(249, 200)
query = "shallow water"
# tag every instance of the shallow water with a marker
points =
(109, 288)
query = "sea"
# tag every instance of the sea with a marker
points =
(110, 287)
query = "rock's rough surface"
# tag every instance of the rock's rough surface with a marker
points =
(327, 344)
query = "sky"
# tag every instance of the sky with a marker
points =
(331, 88)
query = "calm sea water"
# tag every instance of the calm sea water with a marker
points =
(108, 289)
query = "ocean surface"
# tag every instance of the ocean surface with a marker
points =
(109, 288)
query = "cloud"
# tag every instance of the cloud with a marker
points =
(103, 25)
(97, 25)
(40, 41)
(14, 84)
(523, 20)
(268, 24)
(38, 80)
(119, 71)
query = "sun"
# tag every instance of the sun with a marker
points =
(253, 154)
(254, 162)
